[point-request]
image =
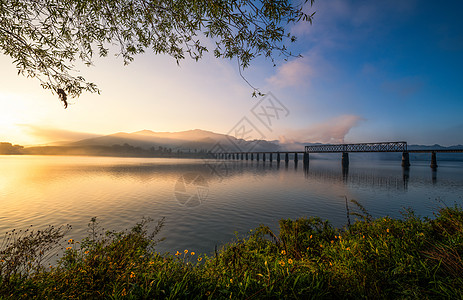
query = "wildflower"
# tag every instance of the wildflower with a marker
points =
(331, 264)
(332, 241)
(132, 274)
(387, 230)
(71, 241)
(200, 258)
(290, 261)
(151, 263)
(321, 246)
(177, 254)
(231, 280)
(363, 237)
(192, 253)
(310, 236)
(283, 252)
(308, 248)
(186, 251)
(123, 293)
(86, 252)
(282, 263)
(348, 249)
(68, 248)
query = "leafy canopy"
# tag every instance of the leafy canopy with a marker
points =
(46, 37)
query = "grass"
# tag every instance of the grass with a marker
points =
(406, 257)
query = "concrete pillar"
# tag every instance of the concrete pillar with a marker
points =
(278, 157)
(345, 159)
(257, 156)
(247, 157)
(433, 160)
(242, 156)
(306, 158)
(287, 157)
(263, 156)
(295, 157)
(271, 158)
(252, 156)
(405, 160)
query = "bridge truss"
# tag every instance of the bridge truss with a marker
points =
(362, 147)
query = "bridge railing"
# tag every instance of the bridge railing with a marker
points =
(362, 147)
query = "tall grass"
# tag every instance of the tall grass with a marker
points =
(406, 257)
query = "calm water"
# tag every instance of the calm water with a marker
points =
(205, 202)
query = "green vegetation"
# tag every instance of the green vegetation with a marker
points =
(372, 258)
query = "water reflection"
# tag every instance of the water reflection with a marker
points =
(205, 201)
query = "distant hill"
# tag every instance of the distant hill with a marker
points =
(183, 141)
(196, 143)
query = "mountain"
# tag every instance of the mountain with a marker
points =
(185, 140)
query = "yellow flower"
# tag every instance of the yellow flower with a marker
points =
(283, 252)
(68, 248)
(387, 230)
(290, 261)
(363, 237)
(200, 258)
(332, 242)
(151, 262)
(178, 253)
(348, 249)
(132, 274)
(186, 251)
(331, 264)
(282, 263)
(70, 241)
(86, 252)
(308, 248)
(310, 236)
(321, 246)
(192, 253)
(231, 280)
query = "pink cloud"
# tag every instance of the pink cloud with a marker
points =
(331, 131)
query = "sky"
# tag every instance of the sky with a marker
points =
(371, 71)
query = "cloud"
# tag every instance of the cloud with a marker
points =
(331, 131)
(295, 73)
(404, 87)
(47, 134)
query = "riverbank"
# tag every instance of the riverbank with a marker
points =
(381, 258)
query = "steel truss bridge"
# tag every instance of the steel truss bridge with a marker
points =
(362, 147)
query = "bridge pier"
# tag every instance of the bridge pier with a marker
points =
(345, 159)
(247, 158)
(263, 156)
(405, 159)
(295, 157)
(278, 157)
(257, 156)
(252, 156)
(306, 158)
(433, 160)
(271, 158)
(242, 156)
(286, 157)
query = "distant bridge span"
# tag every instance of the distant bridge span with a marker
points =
(341, 148)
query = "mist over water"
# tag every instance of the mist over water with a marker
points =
(206, 201)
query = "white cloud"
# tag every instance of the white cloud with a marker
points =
(333, 130)
(296, 72)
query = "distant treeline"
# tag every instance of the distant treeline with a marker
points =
(124, 150)
(8, 148)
